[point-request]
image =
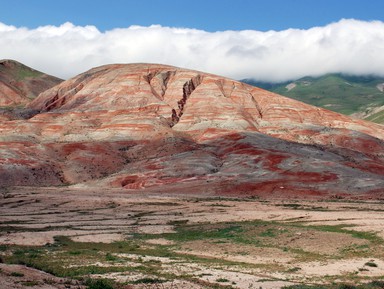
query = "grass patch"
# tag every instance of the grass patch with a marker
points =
(148, 281)
(111, 257)
(376, 284)
(27, 252)
(293, 206)
(270, 232)
(221, 232)
(220, 205)
(177, 222)
(30, 283)
(293, 270)
(371, 264)
(23, 73)
(372, 237)
(17, 274)
(99, 284)
(67, 263)
(302, 286)
(74, 253)
(222, 280)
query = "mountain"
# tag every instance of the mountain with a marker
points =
(159, 128)
(359, 96)
(19, 84)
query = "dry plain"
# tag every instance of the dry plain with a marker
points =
(172, 240)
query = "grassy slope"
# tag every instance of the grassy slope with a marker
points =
(337, 92)
(376, 117)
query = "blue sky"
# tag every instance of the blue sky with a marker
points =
(270, 40)
(208, 15)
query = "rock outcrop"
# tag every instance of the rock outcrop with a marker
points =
(160, 128)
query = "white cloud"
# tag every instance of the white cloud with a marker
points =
(348, 46)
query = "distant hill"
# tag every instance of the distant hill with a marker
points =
(359, 96)
(20, 84)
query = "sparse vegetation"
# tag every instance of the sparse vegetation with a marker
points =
(17, 274)
(110, 257)
(371, 264)
(219, 245)
(293, 270)
(30, 283)
(24, 72)
(251, 233)
(371, 285)
(99, 284)
(221, 280)
(148, 281)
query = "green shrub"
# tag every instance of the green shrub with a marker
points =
(370, 264)
(377, 284)
(346, 286)
(148, 281)
(30, 283)
(110, 257)
(222, 280)
(99, 284)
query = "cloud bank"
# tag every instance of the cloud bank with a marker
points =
(348, 46)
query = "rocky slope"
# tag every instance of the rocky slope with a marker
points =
(160, 128)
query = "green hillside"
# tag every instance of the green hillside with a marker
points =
(338, 92)
(377, 117)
